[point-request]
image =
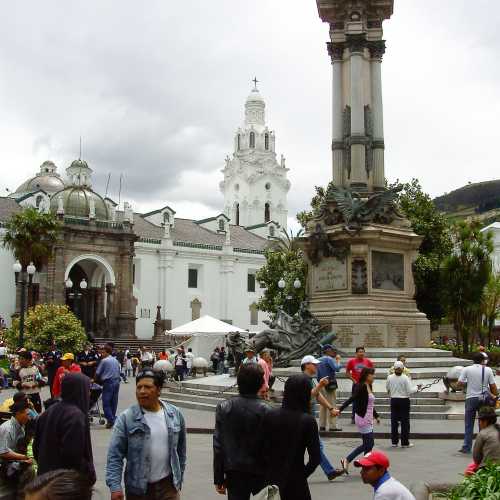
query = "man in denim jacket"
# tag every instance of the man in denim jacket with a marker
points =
(151, 437)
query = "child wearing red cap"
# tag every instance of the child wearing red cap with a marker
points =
(374, 471)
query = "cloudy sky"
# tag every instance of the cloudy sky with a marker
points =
(156, 88)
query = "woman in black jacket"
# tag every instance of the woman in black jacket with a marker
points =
(289, 431)
(364, 409)
(62, 437)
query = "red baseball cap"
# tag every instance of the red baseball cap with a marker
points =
(373, 458)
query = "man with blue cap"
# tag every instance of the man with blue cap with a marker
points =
(328, 367)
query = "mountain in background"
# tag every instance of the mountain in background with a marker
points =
(480, 200)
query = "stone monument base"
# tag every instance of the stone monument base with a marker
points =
(361, 285)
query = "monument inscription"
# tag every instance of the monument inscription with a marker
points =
(330, 274)
(345, 336)
(388, 271)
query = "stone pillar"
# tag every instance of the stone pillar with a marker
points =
(358, 168)
(336, 52)
(377, 50)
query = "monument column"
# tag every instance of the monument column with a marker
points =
(336, 51)
(356, 44)
(377, 50)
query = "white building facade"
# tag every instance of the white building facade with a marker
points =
(182, 269)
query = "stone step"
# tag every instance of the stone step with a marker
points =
(278, 396)
(382, 407)
(416, 373)
(228, 384)
(391, 352)
(411, 363)
(207, 406)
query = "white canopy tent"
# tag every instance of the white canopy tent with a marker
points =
(203, 335)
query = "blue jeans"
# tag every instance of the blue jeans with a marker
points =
(325, 464)
(471, 407)
(110, 389)
(365, 447)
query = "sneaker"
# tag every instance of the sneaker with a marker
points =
(109, 426)
(335, 474)
(336, 429)
(396, 445)
(464, 451)
(322, 429)
(409, 445)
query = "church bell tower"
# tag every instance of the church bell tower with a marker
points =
(255, 184)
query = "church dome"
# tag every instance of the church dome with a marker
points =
(77, 201)
(47, 179)
(255, 96)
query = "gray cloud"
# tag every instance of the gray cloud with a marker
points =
(157, 90)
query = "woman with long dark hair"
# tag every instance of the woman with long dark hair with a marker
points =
(289, 432)
(364, 412)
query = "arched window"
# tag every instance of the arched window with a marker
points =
(238, 140)
(237, 214)
(166, 217)
(267, 212)
(252, 139)
(222, 226)
(266, 142)
(38, 200)
(272, 231)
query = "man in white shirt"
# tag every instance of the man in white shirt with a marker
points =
(374, 471)
(400, 389)
(480, 380)
(189, 361)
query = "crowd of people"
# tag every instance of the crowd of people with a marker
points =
(46, 446)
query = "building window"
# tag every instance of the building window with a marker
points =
(195, 309)
(133, 274)
(268, 186)
(266, 142)
(272, 231)
(237, 214)
(251, 282)
(39, 199)
(252, 139)
(222, 225)
(192, 278)
(145, 313)
(166, 217)
(238, 140)
(254, 315)
(267, 212)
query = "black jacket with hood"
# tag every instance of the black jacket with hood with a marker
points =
(62, 438)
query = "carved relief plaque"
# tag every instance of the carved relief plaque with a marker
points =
(374, 337)
(330, 274)
(345, 335)
(388, 271)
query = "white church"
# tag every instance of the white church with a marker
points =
(177, 269)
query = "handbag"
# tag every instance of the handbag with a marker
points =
(486, 397)
(268, 493)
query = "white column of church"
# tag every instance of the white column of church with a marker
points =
(337, 118)
(358, 170)
(378, 118)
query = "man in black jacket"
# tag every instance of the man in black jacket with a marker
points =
(239, 466)
(62, 437)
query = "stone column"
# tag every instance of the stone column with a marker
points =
(359, 179)
(377, 50)
(336, 52)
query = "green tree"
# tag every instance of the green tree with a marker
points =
(47, 323)
(466, 273)
(491, 304)
(306, 215)
(436, 245)
(283, 261)
(31, 235)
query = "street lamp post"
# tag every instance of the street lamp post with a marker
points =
(20, 279)
(282, 285)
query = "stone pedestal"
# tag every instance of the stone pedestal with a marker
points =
(363, 287)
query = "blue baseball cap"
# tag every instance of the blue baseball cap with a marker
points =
(328, 347)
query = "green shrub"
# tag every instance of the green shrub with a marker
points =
(483, 485)
(47, 323)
